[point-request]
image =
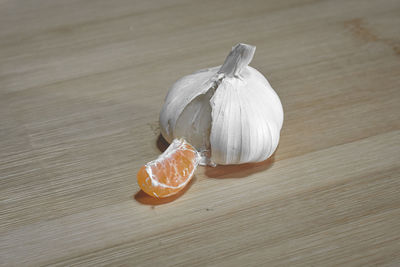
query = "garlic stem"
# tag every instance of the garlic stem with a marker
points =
(240, 57)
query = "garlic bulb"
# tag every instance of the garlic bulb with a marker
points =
(230, 113)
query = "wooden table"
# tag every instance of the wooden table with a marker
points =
(82, 84)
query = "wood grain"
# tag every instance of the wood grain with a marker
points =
(81, 86)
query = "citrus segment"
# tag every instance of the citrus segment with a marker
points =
(171, 171)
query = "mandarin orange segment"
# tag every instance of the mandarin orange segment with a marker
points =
(171, 171)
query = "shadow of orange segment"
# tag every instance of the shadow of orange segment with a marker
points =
(238, 171)
(145, 199)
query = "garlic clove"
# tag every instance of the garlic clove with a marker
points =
(194, 123)
(180, 95)
(240, 132)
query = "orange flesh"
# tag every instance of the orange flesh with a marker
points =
(170, 172)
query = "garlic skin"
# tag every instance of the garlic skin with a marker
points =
(229, 113)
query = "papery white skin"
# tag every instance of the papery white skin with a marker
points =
(229, 111)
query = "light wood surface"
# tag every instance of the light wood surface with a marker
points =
(82, 84)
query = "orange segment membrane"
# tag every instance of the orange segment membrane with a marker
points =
(171, 171)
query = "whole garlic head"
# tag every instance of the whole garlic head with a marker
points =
(230, 113)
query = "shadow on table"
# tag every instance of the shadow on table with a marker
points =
(145, 199)
(238, 171)
(161, 143)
